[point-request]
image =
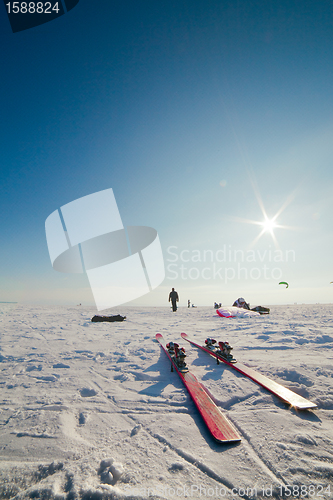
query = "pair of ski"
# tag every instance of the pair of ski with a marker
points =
(218, 424)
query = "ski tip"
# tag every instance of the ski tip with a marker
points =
(158, 336)
(306, 406)
(228, 441)
(184, 335)
(227, 436)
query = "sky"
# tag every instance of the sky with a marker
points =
(201, 116)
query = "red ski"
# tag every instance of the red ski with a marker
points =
(219, 426)
(279, 390)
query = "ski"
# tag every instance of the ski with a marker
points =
(219, 426)
(275, 388)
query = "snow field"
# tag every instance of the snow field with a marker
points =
(91, 410)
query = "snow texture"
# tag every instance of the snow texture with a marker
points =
(92, 411)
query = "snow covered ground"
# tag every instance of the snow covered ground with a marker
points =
(92, 411)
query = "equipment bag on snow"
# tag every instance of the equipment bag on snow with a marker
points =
(108, 318)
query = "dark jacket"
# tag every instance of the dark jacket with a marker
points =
(173, 296)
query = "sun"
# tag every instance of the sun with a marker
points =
(268, 225)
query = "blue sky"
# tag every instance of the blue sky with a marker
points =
(192, 112)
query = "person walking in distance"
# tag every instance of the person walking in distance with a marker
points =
(173, 297)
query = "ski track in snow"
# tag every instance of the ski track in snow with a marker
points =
(92, 411)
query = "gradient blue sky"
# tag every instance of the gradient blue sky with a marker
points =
(193, 112)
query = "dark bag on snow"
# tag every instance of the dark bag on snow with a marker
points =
(261, 309)
(108, 318)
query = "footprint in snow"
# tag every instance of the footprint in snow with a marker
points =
(136, 429)
(82, 418)
(34, 367)
(87, 393)
(60, 365)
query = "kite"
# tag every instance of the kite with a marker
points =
(284, 283)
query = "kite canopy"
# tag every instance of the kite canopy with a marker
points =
(284, 283)
(235, 312)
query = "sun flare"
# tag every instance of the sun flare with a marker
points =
(268, 225)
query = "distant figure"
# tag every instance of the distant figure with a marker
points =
(241, 303)
(188, 303)
(173, 297)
